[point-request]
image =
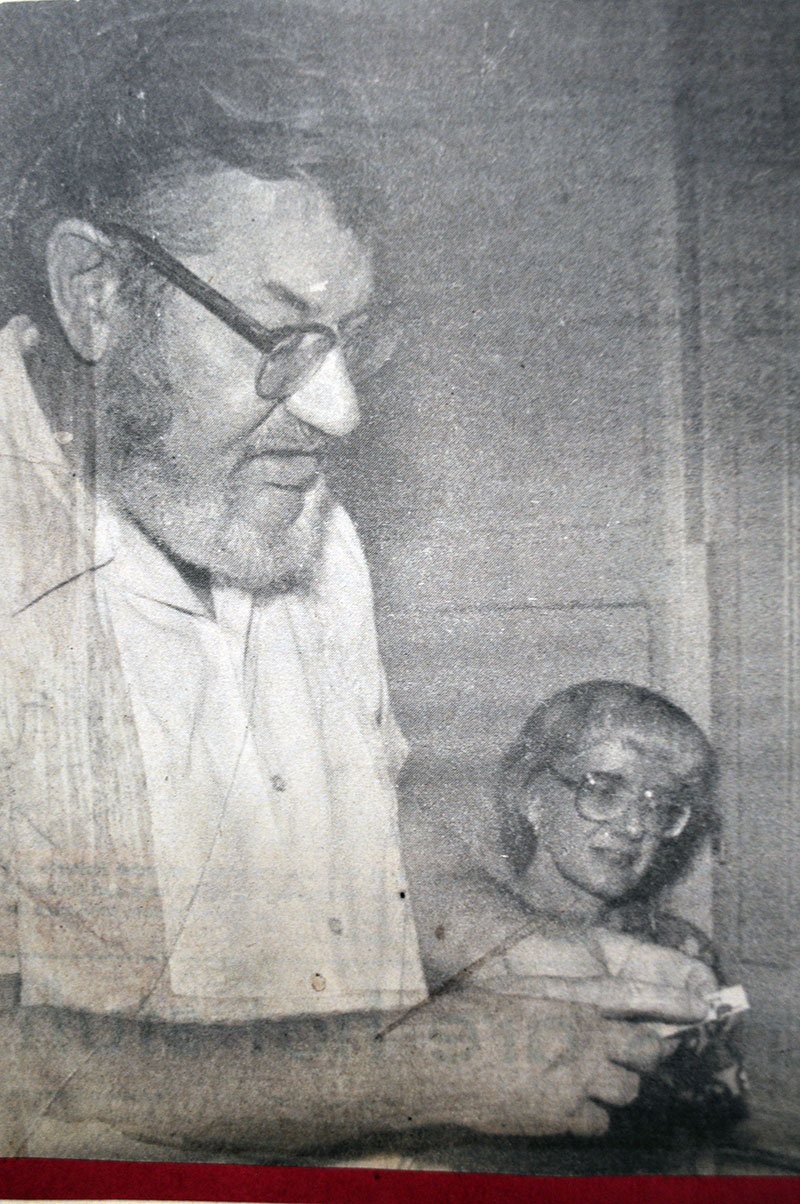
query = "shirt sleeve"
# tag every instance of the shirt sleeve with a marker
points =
(9, 945)
(9, 955)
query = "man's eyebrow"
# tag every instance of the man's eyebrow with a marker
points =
(305, 309)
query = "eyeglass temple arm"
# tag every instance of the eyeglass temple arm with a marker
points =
(174, 271)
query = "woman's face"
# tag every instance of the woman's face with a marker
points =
(603, 858)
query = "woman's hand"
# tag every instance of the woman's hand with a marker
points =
(641, 961)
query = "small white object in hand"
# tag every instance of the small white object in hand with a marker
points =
(727, 1002)
(722, 1005)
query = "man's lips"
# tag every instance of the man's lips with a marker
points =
(285, 468)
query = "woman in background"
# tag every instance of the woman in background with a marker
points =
(603, 800)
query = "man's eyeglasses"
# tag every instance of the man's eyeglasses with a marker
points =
(290, 355)
(601, 797)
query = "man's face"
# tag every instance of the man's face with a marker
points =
(226, 480)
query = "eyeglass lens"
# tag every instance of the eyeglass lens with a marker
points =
(367, 345)
(600, 800)
(293, 361)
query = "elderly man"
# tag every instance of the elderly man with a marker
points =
(208, 941)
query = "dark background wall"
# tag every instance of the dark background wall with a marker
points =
(519, 479)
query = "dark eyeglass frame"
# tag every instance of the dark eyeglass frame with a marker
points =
(576, 785)
(267, 341)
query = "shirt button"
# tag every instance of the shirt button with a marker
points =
(335, 925)
(278, 783)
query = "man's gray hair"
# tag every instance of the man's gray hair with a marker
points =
(141, 97)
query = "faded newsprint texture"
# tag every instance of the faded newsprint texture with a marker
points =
(400, 679)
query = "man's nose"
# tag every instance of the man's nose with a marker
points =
(327, 401)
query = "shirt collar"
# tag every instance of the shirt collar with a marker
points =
(131, 561)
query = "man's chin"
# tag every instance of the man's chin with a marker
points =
(255, 553)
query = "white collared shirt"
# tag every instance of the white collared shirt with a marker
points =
(270, 752)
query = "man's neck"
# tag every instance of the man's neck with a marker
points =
(198, 580)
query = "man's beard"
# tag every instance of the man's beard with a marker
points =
(221, 536)
(199, 521)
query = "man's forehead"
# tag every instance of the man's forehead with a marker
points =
(283, 232)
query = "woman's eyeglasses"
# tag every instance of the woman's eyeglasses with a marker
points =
(601, 797)
(290, 355)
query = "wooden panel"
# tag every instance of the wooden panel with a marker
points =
(769, 827)
(526, 564)
(772, 1050)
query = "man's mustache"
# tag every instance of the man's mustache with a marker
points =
(296, 442)
(283, 449)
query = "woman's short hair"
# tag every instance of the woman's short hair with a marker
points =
(568, 722)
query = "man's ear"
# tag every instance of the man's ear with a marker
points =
(84, 282)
